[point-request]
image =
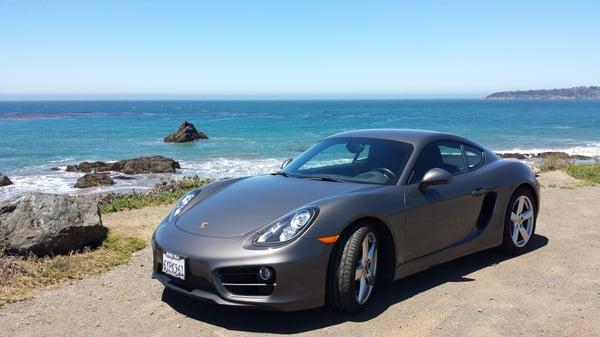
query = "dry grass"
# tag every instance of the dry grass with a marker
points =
(553, 163)
(21, 277)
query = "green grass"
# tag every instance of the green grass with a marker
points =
(21, 277)
(589, 173)
(161, 195)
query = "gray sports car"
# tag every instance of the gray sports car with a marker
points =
(356, 209)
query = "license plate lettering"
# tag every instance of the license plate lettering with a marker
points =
(173, 265)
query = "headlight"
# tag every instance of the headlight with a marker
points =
(287, 227)
(180, 205)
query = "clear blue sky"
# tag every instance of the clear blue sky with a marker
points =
(295, 48)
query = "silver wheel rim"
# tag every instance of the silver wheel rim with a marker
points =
(366, 268)
(522, 219)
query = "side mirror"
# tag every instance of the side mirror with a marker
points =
(286, 162)
(435, 176)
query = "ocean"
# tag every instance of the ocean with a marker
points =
(254, 137)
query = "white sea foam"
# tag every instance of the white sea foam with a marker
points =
(62, 182)
(217, 168)
(590, 150)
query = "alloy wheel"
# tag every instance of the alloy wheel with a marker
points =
(522, 219)
(366, 268)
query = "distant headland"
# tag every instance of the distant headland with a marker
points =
(568, 93)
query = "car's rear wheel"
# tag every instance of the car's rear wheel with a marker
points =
(519, 226)
(354, 270)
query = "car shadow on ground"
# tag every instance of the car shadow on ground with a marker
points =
(386, 295)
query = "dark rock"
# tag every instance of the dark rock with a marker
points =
(55, 169)
(515, 155)
(554, 154)
(4, 181)
(140, 165)
(155, 164)
(98, 166)
(186, 132)
(72, 168)
(123, 177)
(46, 224)
(93, 179)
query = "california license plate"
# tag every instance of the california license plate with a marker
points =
(173, 265)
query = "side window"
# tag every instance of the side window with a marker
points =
(474, 156)
(444, 155)
(452, 158)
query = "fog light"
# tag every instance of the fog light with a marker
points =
(265, 273)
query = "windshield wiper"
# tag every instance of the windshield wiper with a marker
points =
(335, 180)
(324, 178)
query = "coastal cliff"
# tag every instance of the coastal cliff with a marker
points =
(568, 93)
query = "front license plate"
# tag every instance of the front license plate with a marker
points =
(173, 265)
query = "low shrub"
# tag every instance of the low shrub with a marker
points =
(553, 163)
(167, 192)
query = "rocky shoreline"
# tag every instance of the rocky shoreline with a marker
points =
(544, 155)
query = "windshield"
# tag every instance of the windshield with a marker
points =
(361, 160)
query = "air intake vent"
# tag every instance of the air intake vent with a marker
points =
(246, 281)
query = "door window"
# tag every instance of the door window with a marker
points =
(474, 157)
(444, 155)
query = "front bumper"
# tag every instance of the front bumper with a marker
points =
(300, 269)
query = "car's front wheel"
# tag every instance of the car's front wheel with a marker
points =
(519, 226)
(354, 270)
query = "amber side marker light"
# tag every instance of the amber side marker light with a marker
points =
(329, 239)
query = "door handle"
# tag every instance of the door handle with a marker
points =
(478, 191)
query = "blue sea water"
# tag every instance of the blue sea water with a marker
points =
(250, 137)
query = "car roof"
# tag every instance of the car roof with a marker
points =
(418, 138)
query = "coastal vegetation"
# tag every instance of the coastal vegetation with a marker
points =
(589, 173)
(21, 277)
(554, 162)
(165, 193)
(567, 93)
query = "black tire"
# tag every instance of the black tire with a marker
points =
(508, 244)
(342, 286)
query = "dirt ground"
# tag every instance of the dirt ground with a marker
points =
(554, 290)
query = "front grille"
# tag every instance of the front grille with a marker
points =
(245, 281)
(191, 283)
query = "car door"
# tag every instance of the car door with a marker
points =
(441, 215)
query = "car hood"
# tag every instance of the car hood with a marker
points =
(248, 204)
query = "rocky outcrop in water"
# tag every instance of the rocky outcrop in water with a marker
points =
(4, 181)
(186, 132)
(94, 179)
(46, 224)
(141, 165)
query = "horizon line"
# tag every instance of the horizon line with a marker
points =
(162, 97)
